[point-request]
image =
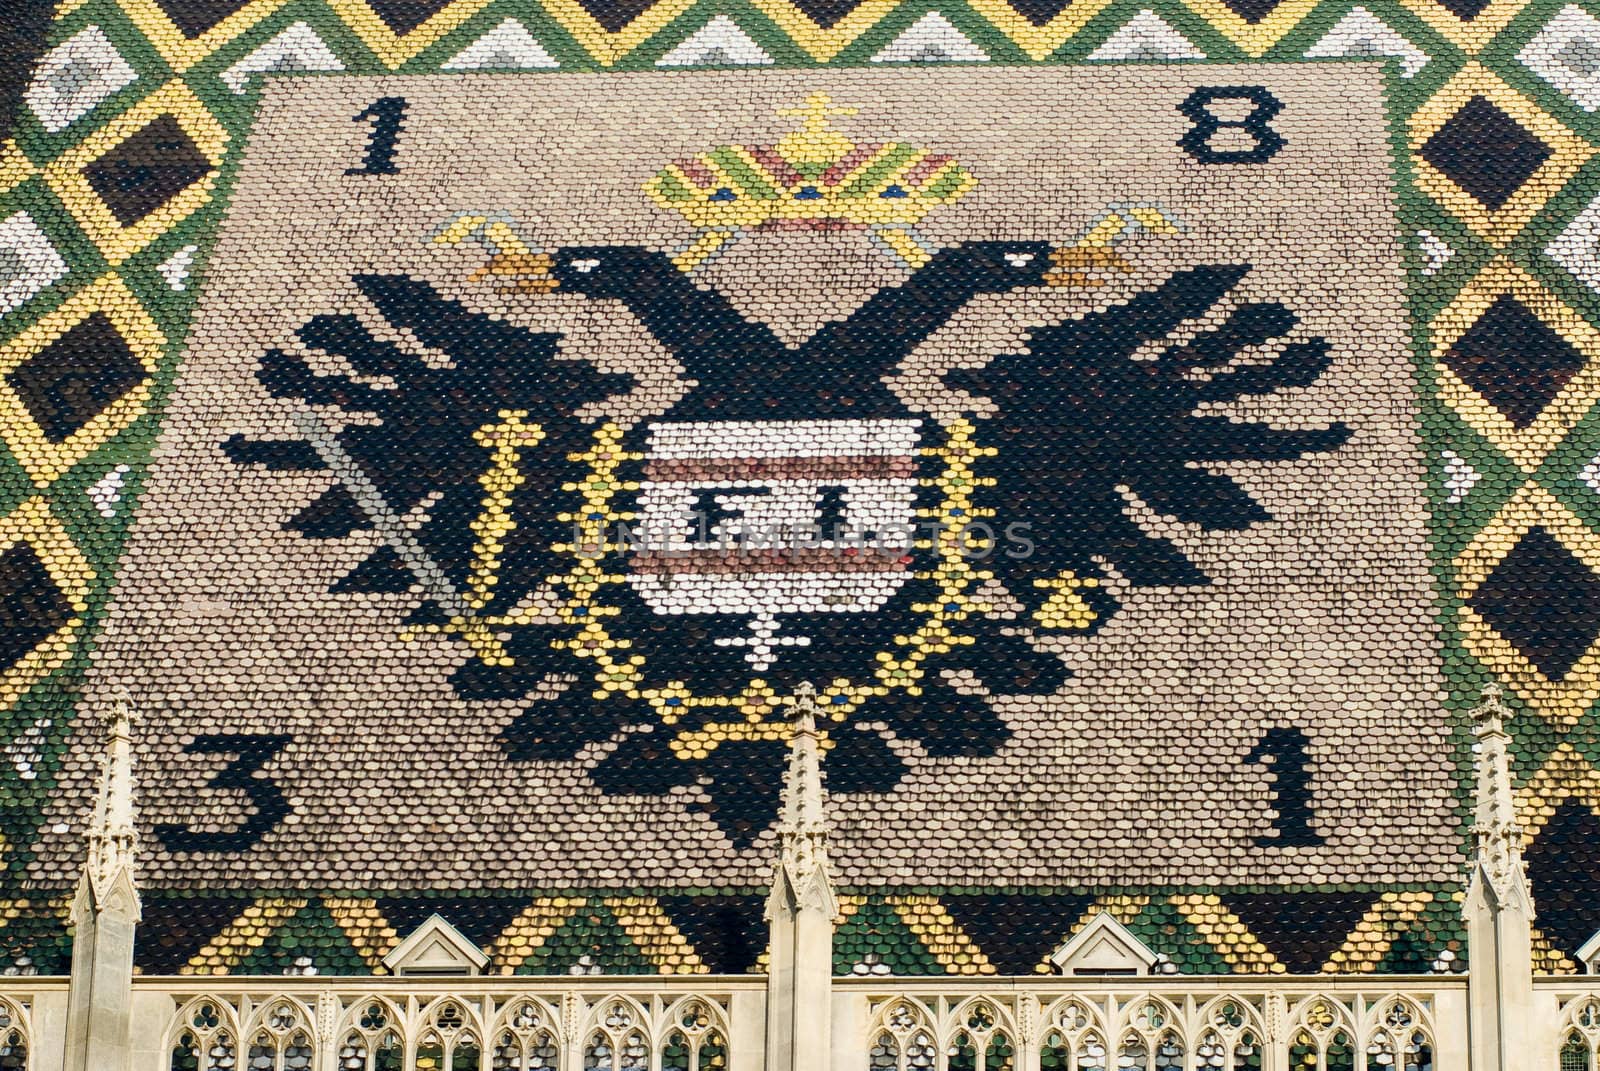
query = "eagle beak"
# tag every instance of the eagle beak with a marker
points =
(1085, 266)
(521, 273)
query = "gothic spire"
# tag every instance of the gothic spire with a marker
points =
(802, 868)
(1496, 836)
(113, 842)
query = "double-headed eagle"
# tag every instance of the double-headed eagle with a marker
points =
(1094, 412)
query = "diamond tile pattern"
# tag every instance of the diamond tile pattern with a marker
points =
(74, 379)
(1485, 152)
(147, 170)
(1545, 601)
(1514, 360)
(1564, 874)
(31, 606)
(1541, 597)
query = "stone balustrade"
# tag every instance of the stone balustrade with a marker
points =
(705, 1023)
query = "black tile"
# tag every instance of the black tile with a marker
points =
(173, 929)
(1485, 152)
(1038, 12)
(728, 933)
(615, 14)
(195, 17)
(1544, 601)
(1016, 933)
(481, 919)
(31, 606)
(24, 26)
(1464, 9)
(76, 377)
(1252, 11)
(147, 170)
(1301, 930)
(403, 16)
(1564, 876)
(1515, 360)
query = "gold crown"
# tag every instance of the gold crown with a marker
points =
(814, 176)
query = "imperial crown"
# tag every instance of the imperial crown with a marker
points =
(814, 176)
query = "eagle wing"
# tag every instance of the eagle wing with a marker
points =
(417, 441)
(1087, 412)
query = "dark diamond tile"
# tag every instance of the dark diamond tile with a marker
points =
(195, 17)
(1301, 930)
(403, 16)
(728, 933)
(480, 919)
(1544, 601)
(1464, 9)
(173, 929)
(31, 606)
(1564, 876)
(1486, 152)
(1038, 12)
(1017, 932)
(76, 377)
(147, 170)
(615, 14)
(1252, 11)
(1514, 359)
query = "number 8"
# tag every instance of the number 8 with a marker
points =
(1197, 142)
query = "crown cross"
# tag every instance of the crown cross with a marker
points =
(816, 141)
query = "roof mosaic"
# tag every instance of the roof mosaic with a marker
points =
(133, 126)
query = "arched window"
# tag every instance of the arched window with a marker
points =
(525, 1037)
(13, 1037)
(206, 1037)
(280, 1038)
(616, 1040)
(369, 1037)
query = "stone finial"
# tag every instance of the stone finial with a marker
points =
(113, 840)
(1496, 836)
(802, 825)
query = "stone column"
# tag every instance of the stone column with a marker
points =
(800, 911)
(105, 910)
(1498, 910)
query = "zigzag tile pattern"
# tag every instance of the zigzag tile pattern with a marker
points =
(108, 197)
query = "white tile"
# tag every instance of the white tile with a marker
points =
(1577, 248)
(719, 43)
(75, 76)
(931, 39)
(106, 492)
(175, 269)
(28, 262)
(1146, 36)
(297, 48)
(1435, 250)
(1361, 33)
(509, 46)
(1566, 53)
(1459, 476)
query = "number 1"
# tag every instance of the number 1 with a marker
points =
(385, 115)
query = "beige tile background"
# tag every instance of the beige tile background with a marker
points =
(1322, 618)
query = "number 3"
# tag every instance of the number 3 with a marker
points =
(271, 807)
(1197, 142)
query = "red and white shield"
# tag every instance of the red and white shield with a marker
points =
(767, 518)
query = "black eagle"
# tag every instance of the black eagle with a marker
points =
(1081, 416)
